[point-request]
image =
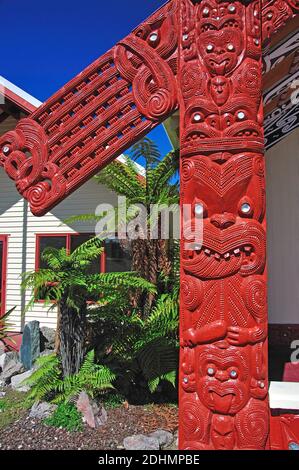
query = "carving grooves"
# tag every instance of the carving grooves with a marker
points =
(97, 115)
(275, 14)
(223, 389)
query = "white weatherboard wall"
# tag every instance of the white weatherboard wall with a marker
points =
(14, 213)
(283, 230)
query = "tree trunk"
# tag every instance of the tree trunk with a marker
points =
(73, 333)
(57, 333)
(149, 257)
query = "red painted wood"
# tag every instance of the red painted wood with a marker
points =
(275, 14)
(110, 105)
(284, 433)
(96, 116)
(223, 367)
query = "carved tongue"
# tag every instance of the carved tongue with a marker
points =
(222, 404)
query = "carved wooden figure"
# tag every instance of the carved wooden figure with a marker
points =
(203, 57)
(224, 316)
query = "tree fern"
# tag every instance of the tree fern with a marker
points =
(46, 381)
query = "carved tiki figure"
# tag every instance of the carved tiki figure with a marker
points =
(223, 375)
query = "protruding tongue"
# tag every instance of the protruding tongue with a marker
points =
(222, 404)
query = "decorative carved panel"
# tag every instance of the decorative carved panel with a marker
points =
(96, 116)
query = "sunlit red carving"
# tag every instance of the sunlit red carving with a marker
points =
(224, 309)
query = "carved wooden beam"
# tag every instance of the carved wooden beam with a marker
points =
(275, 15)
(97, 115)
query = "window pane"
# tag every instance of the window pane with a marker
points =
(54, 242)
(76, 241)
(117, 259)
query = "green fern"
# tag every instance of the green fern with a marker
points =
(46, 379)
(47, 383)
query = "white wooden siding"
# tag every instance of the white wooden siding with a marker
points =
(283, 230)
(22, 227)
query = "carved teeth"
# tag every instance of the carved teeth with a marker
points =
(247, 249)
(217, 256)
(226, 256)
(207, 252)
(237, 251)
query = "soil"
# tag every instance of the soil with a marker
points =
(30, 434)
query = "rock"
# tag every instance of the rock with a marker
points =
(30, 347)
(175, 443)
(165, 438)
(47, 338)
(141, 442)
(10, 370)
(17, 381)
(2, 394)
(7, 357)
(47, 352)
(42, 410)
(90, 411)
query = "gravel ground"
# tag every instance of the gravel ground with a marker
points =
(26, 433)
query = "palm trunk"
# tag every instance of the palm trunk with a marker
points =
(73, 334)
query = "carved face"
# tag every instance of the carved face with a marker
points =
(220, 51)
(222, 432)
(223, 383)
(231, 199)
(220, 90)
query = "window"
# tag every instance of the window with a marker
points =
(117, 258)
(114, 259)
(48, 241)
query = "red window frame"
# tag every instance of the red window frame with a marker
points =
(67, 236)
(4, 239)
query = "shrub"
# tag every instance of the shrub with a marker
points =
(66, 416)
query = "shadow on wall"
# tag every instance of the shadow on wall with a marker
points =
(9, 194)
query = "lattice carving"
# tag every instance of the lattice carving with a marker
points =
(223, 299)
(97, 115)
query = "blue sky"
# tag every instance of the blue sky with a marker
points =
(46, 43)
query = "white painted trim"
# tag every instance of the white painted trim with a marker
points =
(18, 91)
(284, 395)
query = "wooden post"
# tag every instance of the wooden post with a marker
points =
(223, 365)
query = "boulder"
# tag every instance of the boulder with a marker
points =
(46, 352)
(10, 370)
(47, 338)
(17, 381)
(141, 442)
(7, 357)
(42, 410)
(91, 414)
(165, 438)
(30, 347)
(175, 443)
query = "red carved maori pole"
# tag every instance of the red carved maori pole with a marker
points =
(223, 368)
